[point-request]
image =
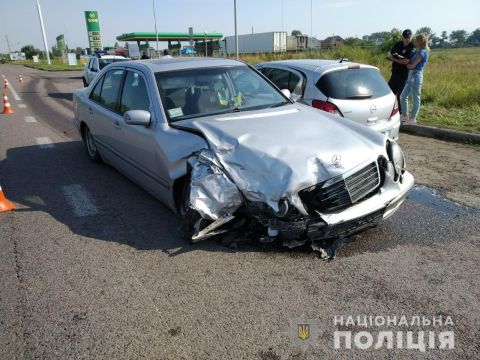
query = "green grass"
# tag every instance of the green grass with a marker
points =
(54, 66)
(451, 89)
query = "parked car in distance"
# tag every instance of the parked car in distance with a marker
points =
(355, 91)
(96, 63)
(229, 152)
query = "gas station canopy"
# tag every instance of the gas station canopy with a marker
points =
(170, 36)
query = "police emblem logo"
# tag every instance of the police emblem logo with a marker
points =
(303, 332)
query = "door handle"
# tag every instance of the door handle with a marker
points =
(90, 111)
(116, 125)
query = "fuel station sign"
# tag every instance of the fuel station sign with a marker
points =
(93, 30)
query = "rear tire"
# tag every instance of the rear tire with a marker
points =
(84, 82)
(90, 145)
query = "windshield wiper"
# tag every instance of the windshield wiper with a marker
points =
(359, 97)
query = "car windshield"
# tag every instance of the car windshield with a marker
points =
(353, 84)
(201, 92)
(104, 62)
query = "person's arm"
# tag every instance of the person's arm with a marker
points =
(402, 61)
(415, 62)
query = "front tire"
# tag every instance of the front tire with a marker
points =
(90, 145)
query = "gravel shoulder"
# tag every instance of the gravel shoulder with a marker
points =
(452, 168)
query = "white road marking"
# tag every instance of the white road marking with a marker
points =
(14, 93)
(44, 142)
(80, 200)
(30, 119)
(22, 106)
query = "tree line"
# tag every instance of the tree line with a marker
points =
(386, 39)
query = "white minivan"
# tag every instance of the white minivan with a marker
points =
(97, 63)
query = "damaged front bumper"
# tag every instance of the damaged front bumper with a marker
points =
(216, 198)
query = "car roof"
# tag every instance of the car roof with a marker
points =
(112, 57)
(316, 65)
(182, 63)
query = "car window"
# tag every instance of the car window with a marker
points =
(200, 92)
(357, 83)
(110, 89)
(279, 77)
(95, 94)
(285, 79)
(134, 94)
(104, 62)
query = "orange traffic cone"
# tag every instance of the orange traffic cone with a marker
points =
(7, 109)
(6, 85)
(20, 79)
(5, 205)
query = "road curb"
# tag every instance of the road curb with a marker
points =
(442, 134)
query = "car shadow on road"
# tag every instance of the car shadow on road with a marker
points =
(37, 178)
(65, 96)
(40, 178)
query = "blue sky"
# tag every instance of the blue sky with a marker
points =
(19, 19)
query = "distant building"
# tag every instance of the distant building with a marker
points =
(14, 56)
(332, 42)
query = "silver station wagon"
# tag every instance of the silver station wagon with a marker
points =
(233, 155)
(355, 91)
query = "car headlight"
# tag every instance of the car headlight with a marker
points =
(396, 156)
(283, 208)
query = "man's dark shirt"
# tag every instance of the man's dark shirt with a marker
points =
(406, 52)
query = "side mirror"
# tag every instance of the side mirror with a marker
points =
(287, 93)
(137, 117)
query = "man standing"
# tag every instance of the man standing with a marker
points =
(400, 57)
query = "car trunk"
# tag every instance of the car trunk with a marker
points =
(360, 94)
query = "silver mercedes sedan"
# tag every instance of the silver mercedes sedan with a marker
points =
(233, 155)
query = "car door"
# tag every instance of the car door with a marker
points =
(136, 144)
(289, 79)
(104, 109)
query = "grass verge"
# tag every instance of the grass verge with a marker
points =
(54, 66)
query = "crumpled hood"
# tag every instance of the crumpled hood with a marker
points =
(274, 153)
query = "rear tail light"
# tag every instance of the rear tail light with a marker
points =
(395, 108)
(326, 106)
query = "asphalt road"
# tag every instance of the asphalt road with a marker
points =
(91, 266)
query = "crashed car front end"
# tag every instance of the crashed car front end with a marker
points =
(334, 207)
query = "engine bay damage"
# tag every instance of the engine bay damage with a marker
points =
(231, 213)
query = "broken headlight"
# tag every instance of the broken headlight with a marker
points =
(395, 155)
(283, 208)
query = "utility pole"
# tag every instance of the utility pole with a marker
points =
(47, 54)
(236, 33)
(156, 32)
(205, 43)
(8, 44)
